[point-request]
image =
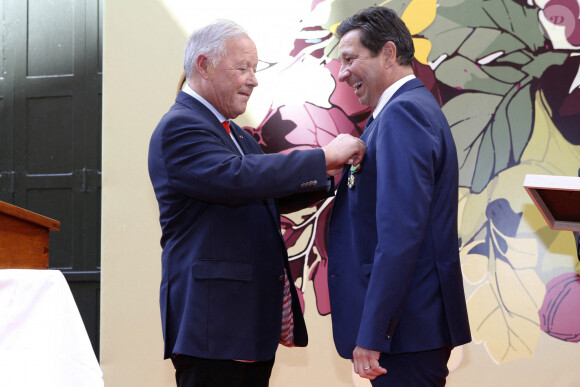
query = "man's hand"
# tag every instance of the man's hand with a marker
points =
(366, 363)
(344, 149)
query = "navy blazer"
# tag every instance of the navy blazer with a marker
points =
(395, 279)
(223, 254)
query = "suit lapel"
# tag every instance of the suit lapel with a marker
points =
(250, 147)
(214, 125)
(410, 85)
(241, 137)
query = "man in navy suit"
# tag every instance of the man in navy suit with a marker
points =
(396, 289)
(225, 272)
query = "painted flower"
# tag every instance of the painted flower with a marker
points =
(418, 16)
(559, 315)
(561, 20)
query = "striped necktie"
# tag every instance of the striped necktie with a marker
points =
(287, 332)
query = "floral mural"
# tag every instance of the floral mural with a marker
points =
(507, 75)
(559, 316)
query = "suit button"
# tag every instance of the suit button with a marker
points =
(281, 278)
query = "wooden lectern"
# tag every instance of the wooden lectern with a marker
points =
(557, 198)
(24, 238)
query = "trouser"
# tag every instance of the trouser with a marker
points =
(416, 369)
(198, 372)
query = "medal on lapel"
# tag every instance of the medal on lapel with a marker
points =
(354, 169)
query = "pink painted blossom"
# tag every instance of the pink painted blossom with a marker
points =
(559, 315)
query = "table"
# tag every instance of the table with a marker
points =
(43, 341)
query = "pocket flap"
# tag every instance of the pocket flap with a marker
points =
(365, 268)
(222, 269)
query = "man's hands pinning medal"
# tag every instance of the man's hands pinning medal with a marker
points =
(344, 149)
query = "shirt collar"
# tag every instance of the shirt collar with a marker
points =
(190, 91)
(389, 92)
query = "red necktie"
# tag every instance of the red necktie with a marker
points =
(226, 125)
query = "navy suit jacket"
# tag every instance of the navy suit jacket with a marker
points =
(395, 279)
(223, 254)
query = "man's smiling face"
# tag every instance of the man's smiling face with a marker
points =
(360, 70)
(233, 78)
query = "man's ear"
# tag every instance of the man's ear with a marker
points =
(390, 52)
(202, 65)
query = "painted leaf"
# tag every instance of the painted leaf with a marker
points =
(521, 252)
(515, 284)
(468, 115)
(517, 58)
(490, 133)
(290, 232)
(542, 61)
(445, 36)
(503, 311)
(319, 272)
(504, 141)
(506, 74)
(511, 17)
(472, 220)
(485, 41)
(308, 257)
(463, 74)
(474, 261)
(520, 113)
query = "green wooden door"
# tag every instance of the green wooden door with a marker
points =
(50, 131)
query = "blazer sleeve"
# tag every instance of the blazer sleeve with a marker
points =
(201, 165)
(298, 201)
(406, 150)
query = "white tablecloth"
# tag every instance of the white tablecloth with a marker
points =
(43, 341)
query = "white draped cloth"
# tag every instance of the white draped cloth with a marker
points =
(43, 341)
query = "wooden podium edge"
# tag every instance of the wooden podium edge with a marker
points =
(29, 216)
(563, 183)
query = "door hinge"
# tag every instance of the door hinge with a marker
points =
(7, 181)
(90, 179)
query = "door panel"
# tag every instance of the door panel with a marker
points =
(50, 132)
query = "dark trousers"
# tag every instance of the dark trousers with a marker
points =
(197, 372)
(417, 369)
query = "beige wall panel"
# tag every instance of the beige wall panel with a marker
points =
(143, 48)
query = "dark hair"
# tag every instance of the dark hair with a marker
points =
(379, 25)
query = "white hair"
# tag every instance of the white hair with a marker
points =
(211, 41)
